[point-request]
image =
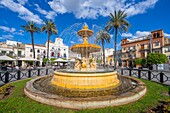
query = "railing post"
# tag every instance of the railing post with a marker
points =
(161, 77)
(38, 72)
(6, 77)
(139, 73)
(29, 73)
(121, 71)
(18, 74)
(149, 75)
(46, 71)
(130, 72)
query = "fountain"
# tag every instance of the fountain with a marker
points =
(85, 86)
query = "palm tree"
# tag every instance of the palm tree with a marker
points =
(32, 28)
(117, 23)
(102, 37)
(50, 28)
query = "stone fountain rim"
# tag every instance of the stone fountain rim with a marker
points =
(85, 71)
(84, 103)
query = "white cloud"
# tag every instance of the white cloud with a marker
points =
(40, 10)
(23, 12)
(95, 8)
(48, 15)
(126, 35)
(166, 35)
(6, 37)
(11, 30)
(139, 34)
(7, 29)
(22, 1)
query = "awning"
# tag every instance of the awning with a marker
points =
(72, 60)
(28, 59)
(6, 58)
(60, 60)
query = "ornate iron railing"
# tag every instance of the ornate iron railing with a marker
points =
(157, 76)
(8, 76)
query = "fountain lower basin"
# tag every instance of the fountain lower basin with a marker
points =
(85, 81)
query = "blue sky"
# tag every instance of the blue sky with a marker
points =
(143, 15)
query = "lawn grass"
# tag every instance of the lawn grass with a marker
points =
(17, 102)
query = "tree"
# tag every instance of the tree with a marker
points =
(50, 28)
(156, 58)
(140, 61)
(52, 60)
(32, 28)
(102, 37)
(117, 23)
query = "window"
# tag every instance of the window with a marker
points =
(156, 51)
(128, 48)
(65, 55)
(44, 52)
(30, 55)
(64, 49)
(134, 55)
(134, 47)
(156, 43)
(154, 35)
(52, 54)
(158, 35)
(38, 51)
(3, 52)
(19, 53)
(168, 58)
(30, 50)
(58, 55)
(11, 53)
(124, 48)
(168, 49)
(58, 49)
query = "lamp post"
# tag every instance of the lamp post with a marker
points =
(130, 57)
(16, 52)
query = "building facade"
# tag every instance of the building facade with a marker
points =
(57, 49)
(140, 47)
(13, 49)
(40, 52)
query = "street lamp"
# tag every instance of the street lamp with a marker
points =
(16, 52)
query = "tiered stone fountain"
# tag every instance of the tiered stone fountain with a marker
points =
(85, 86)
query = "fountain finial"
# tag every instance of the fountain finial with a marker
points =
(85, 26)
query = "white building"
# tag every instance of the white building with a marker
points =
(99, 55)
(73, 55)
(57, 49)
(40, 52)
(14, 49)
(109, 51)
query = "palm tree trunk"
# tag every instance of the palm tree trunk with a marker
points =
(115, 46)
(48, 49)
(103, 53)
(32, 37)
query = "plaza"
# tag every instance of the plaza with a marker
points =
(84, 56)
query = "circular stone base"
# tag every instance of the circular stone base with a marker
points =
(84, 103)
